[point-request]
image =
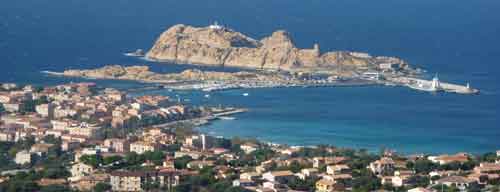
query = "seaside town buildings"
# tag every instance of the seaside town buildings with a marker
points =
(128, 144)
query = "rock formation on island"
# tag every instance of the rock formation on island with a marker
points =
(220, 46)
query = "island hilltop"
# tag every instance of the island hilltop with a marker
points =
(220, 46)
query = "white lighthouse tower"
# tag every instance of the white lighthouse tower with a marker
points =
(435, 83)
(203, 142)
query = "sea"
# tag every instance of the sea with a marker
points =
(458, 40)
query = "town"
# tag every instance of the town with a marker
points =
(79, 137)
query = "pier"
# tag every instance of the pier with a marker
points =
(439, 86)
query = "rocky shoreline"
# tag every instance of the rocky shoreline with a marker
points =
(193, 79)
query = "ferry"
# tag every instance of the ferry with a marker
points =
(136, 53)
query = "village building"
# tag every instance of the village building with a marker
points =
(278, 176)
(200, 164)
(325, 185)
(447, 159)
(81, 169)
(248, 147)
(338, 169)
(87, 183)
(135, 180)
(141, 147)
(117, 145)
(385, 165)
(460, 182)
(23, 157)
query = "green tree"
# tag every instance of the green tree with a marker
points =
(102, 187)
(56, 172)
(424, 166)
(56, 188)
(92, 160)
(133, 158)
(156, 157)
(181, 163)
(111, 159)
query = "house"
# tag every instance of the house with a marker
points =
(41, 148)
(310, 172)
(7, 136)
(192, 154)
(87, 183)
(320, 161)
(278, 176)
(487, 168)
(420, 189)
(338, 169)
(218, 151)
(447, 159)
(169, 162)
(341, 180)
(117, 145)
(388, 66)
(69, 145)
(23, 157)
(273, 186)
(402, 178)
(443, 173)
(250, 176)
(134, 180)
(141, 147)
(460, 182)
(200, 164)
(249, 147)
(12, 107)
(385, 165)
(81, 169)
(243, 183)
(45, 110)
(47, 182)
(325, 185)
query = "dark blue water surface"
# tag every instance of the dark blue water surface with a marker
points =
(459, 39)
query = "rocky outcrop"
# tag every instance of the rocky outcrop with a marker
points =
(224, 47)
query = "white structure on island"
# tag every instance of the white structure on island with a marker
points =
(435, 83)
(216, 26)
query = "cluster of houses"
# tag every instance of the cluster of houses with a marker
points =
(78, 114)
(75, 113)
(391, 171)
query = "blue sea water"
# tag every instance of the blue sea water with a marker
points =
(457, 39)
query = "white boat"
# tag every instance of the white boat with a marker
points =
(226, 118)
(207, 96)
(136, 53)
(245, 94)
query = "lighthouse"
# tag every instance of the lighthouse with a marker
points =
(435, 83)
(203, 142)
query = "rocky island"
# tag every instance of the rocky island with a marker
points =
(220, 46)
(273, 61)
